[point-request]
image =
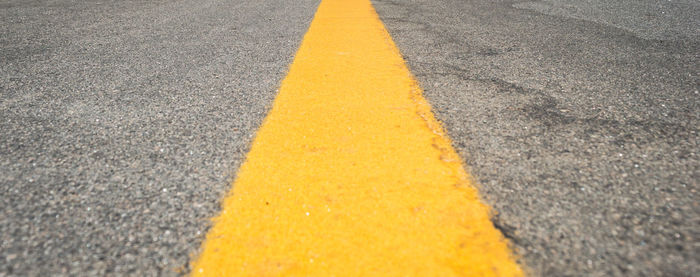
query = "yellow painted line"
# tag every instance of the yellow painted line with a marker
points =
(350, 174)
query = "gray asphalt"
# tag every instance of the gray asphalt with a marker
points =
(579, 119)
(122, 124)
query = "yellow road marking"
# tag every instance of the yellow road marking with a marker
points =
(350, 174)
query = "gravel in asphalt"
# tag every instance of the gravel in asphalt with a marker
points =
(578, 118)
(123, 123)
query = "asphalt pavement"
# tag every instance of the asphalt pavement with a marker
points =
(578, 118)
(122, 124)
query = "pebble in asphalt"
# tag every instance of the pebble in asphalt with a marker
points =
(578, 118)
(123, 123)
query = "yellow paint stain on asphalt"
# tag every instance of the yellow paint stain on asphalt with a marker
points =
(350, 174)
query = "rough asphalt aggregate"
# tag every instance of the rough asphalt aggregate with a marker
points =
(578, 118)
(123, 122)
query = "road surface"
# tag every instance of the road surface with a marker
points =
(124, 123)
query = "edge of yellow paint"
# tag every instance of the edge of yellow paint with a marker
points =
(425, 112)
(231, 179)
(437, 126)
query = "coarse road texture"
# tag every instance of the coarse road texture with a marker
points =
(122, 122)
(350, 174)
(578, 118)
